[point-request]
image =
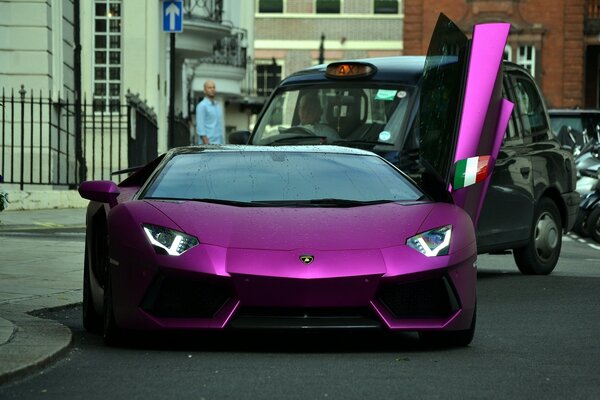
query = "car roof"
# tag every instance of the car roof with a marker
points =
(400, 69)
(231, 148)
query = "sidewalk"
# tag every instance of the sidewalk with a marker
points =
(37, 272)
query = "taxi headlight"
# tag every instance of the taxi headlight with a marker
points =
(435, 242)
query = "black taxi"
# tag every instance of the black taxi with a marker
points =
(377, 104)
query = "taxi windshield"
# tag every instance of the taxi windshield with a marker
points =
(339, 114)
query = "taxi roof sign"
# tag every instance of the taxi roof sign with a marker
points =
(349, 70)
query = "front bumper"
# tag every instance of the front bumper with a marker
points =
(173, 294)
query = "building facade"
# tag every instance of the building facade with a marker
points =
(295, 34)
(557, 40)
(36, 46)
(228, 64)
(86, 86)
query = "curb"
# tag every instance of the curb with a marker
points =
(25, 200)
(35, 344)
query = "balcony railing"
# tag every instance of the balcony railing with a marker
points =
(592, 17)
(230, 50)
(211, 10)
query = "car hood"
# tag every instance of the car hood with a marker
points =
(287, 228)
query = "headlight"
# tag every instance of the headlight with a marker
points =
(435, 242)
(173, 242)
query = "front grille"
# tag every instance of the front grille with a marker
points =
(431, 298)
(303, 318)
(177, 297)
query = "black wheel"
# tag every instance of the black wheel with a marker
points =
(593, 223)
(540, 255)
(92, 322)
(450, 338)
(580, 227)
(112, 335)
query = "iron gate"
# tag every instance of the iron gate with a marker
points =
(41, 144)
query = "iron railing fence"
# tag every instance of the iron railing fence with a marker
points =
(40, 144)
(230, 50)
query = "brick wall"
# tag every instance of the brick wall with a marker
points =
(311, 29)
(559, 23)
(343, 33)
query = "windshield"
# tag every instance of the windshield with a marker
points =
(335, 114)
(264, 176)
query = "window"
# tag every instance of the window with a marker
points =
(270, 6)
(328, 6)
(526, 58)
(529, 105)
(385, 6)
(507, 53)
(342, 110)
(107, 55)
(268, 77)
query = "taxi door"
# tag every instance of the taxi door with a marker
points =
(462, 115)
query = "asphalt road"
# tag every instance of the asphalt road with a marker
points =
(537, 337)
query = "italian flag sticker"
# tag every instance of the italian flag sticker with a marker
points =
(470, 171)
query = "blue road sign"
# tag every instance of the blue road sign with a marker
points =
(172, 13)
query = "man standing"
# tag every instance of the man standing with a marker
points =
(209, 125)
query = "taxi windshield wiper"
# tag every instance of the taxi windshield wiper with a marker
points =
(361, 143)
(295, 138)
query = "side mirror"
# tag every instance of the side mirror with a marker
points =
(239, 137)
(100, 191)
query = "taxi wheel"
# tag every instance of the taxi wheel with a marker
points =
(450, 338)
(593, 222)
(540, 255)
(92, 322)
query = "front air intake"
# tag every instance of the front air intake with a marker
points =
(431, 298)
(177, 297)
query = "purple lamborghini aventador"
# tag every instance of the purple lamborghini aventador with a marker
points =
(226, 237)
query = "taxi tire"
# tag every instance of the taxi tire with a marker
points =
(540, 255)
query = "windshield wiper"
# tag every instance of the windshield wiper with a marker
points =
(361, 142)
(295, 138)
(346, 202)
(203, 200)
(317, 203)
(225, 202)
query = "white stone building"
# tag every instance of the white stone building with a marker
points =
(98, 52)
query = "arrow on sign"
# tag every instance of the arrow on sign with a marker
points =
(172, 12)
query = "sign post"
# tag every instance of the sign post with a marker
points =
(172, 19)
